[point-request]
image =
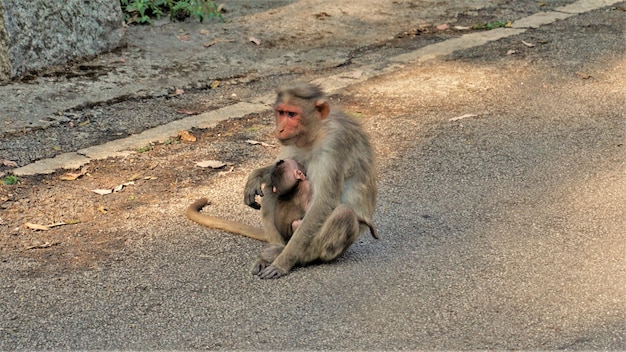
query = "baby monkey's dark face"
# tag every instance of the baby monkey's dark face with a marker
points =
(286, 176)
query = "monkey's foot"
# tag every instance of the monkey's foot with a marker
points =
(272, 272)
(259, 266)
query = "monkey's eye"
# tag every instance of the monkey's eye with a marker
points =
(291, 114)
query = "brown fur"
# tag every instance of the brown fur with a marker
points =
(340, 164)
(289, 182)
(193, 213)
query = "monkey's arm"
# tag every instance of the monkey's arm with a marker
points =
(259, 184)
(254, 186)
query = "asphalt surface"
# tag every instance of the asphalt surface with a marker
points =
(500, 230)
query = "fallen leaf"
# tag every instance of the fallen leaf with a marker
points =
(462, 28)
(321, 15)
(511, 52)
(187, 112)
(71, 176)
(150, 178)
(43, 245)
(214, 84)
(186, 136)
(583, 75)
(205, 31)
(102, 209)
(530, 45)
(541, 3)
(122, 60)
(443, 27)
(84, 123)
(30, 225)
(213, 164)
(211, 43)
(103, 191)
(135, 177)
(184, 37)
(179, 91)
(462, 117)
(8, 163)
(120, 187)
(354, 74)
(253, 142)
(254, 40)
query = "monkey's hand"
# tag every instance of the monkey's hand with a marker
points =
(272, 272)
(254, 186)
(249, 196)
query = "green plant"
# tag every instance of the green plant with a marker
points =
(491, 25)
(11, 180)
(144, 149)
(142, 11)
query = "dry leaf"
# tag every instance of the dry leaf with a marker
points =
(179, 91)
(211, 43)
(8, 163)
(214, 84)
(321, 15)
(71, 176)
(443, 27)
(462, 28)
(134, 177)
(120, 187)
(583, 75)
(530, 45)
(43, 245)
(462, 117)
(253, 142)
(354, 74)
(187, 112)
(30, 225)
(213, 164)
(511, 52)
(150, 178)
(254, 40)
(103, 191)
(102, 209)
(186, 136)
(204, 31)
(184, 37)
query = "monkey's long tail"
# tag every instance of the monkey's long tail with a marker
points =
(193, 213)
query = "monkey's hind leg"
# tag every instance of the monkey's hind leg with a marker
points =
(339, 231)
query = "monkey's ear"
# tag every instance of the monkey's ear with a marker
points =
(323, 107)
(299, 175)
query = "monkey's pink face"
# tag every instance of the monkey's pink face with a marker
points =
(288, 122)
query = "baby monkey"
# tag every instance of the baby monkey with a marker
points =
(289, 182)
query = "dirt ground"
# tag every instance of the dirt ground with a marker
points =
(166, 172)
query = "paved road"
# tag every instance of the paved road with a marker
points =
(504, 230)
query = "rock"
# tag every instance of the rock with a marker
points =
(41, 33)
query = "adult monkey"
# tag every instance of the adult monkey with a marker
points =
(340, 164)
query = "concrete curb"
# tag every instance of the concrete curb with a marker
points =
(331, 84)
